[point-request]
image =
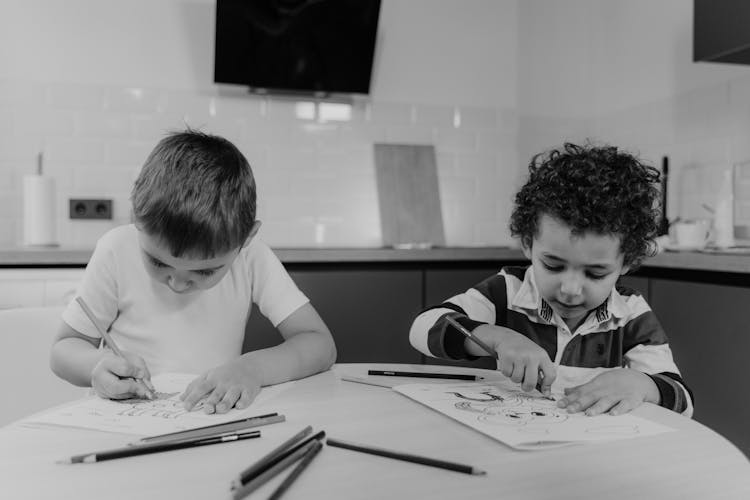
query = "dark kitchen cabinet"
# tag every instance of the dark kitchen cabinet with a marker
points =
(368, 311)
(708, 329)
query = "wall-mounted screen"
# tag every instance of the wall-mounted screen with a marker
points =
(302, 46)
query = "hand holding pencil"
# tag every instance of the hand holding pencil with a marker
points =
(118, 375)
(518, 357)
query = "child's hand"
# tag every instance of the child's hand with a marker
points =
(114, 377)
(234, 384)
(616, 391)
(519, 358)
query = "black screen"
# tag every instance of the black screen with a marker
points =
(317, 46)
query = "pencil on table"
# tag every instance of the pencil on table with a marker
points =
(267, 460)
(299, 469)
(233, 425)
(108, 340)
(270, 470)
(144, 449)
(433, 462)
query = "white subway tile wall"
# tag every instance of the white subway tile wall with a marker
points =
(313, 160)
(702, 132)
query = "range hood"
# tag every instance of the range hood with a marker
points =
(721, 31)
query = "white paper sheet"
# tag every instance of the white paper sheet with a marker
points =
(522, 420)
(148, 417)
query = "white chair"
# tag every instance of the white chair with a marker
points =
(26, 336)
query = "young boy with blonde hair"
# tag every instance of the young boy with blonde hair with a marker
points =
(586, 216)
(175, 288)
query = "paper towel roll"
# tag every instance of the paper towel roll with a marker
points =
(39, 217)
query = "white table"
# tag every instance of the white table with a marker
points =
(694, 462)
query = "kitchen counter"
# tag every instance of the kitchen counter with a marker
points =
(78, 257)
(698, 261)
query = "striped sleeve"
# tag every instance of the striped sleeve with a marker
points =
(433, 336)
(646, 349)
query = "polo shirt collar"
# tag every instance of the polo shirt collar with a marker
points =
(528, 297)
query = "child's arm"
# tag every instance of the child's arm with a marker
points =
(651, 374)
(77, 358)
(308, 348)
(518, 357)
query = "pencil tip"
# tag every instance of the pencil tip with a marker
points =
(478, 472)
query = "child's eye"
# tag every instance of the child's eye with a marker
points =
(206, 272)
(554, 269)
(596, 276)
(157, 263)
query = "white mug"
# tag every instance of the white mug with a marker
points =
(692, 234)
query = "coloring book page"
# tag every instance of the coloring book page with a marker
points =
(145, 417)
(523, 420)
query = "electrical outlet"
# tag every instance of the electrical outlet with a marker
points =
(90, 209)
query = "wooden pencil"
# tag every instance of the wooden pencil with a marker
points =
(111, 343)
(298, 469)
(268, 459)
(433, 462)
(294, 454)
(130, 451)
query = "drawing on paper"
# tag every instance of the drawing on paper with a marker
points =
(139, 416)
(515, 409)
(523, 420)
(157, 396)
(164, 405)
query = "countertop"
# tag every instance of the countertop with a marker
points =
(687, 260)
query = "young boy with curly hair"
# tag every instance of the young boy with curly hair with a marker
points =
(586, 216)
(175, 288)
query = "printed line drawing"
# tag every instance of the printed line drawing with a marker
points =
(147, 416)
(524, 420)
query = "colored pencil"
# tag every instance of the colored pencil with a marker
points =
(433, 462)
(368, 381)
(111, 343)
(289, 457)
(455, 376)
(209, 430)
(130, 451)
(489, 350)
(269, 458)
(298, 469)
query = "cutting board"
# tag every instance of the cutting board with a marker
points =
(409, 196)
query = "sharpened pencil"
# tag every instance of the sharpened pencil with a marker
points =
(298, 469)
(454, 376)
(111, 343)
(265, 461)
(433, 462)
(288, 458)
(208, 430)
(130, 451)
(367, 381)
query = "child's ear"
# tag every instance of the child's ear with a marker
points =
(253, 232)
(624, 270)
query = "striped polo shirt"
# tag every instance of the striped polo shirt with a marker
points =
(622, 332)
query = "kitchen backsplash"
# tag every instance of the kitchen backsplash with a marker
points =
(313, 161)
(703, 132)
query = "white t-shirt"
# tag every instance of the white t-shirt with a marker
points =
(188, 333)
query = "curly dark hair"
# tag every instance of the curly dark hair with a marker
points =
(591, 189)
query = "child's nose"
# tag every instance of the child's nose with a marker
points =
(178, 284)
(571, 285)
